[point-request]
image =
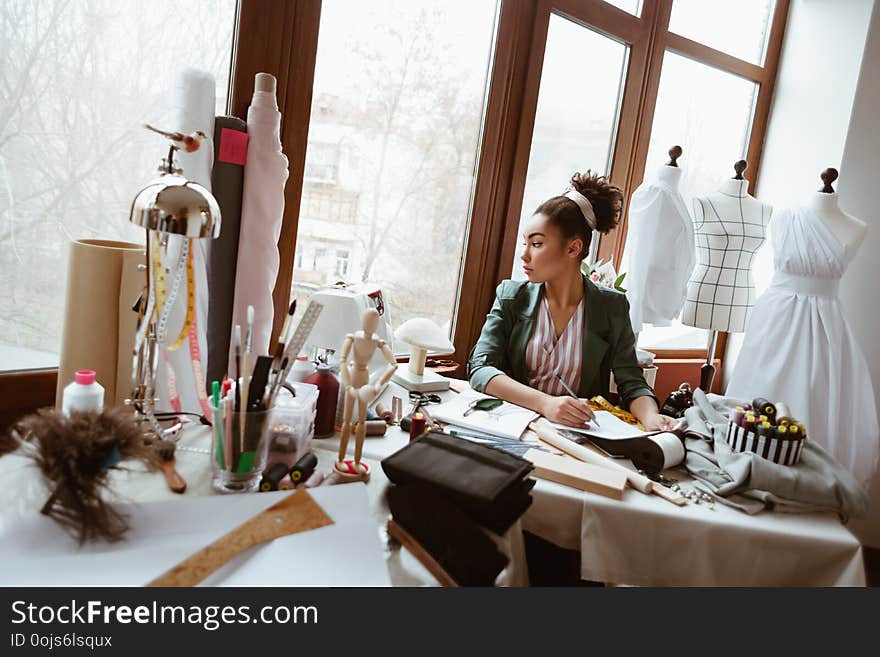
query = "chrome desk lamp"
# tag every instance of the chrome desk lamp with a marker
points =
(168, 205)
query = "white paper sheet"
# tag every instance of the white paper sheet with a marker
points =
(36, 551)
(610, 427)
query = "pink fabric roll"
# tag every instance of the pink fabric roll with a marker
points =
(265, 174)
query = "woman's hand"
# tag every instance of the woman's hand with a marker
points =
(658, 422)
(568, 410)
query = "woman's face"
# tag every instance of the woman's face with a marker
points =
(547, 254)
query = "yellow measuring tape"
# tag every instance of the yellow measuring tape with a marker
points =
(190, 300)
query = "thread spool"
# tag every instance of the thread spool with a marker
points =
(385, 414)
(738, 415)
(765, 407)
(272, 477)
(417, 426)
(396, 409)
(303, 468)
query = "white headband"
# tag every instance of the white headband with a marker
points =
(584, 204)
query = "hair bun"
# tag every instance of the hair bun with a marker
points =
(605, 197)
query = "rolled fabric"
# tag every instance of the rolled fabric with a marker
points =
(262, 206)
(227, 178)
(103, 283)
(194, 100)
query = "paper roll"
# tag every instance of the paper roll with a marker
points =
(194, 100)
(672, 448)
(103, 282)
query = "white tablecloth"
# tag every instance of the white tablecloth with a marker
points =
(641, 540)
(644, 540)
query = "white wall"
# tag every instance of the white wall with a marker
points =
(810, 114)
(826, 112)
(858, 192)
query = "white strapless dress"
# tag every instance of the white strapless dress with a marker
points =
(799, 349)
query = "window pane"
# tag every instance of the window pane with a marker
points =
(78, 80)
(633, 7)
(393, 139)
(576, 118)
(712, 127)
(738, 28)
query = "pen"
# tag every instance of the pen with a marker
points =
(571, 394)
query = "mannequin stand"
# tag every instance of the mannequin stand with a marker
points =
(348, 471)
(707, 371)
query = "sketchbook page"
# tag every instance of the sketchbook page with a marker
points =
(610, 427)
(506, 421)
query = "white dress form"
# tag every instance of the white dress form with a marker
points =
(730, 227)
(660, 254)
(848, 230)
(799, 349)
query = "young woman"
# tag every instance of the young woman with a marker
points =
(558, 324)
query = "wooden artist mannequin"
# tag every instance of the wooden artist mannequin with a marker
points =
(848, 230)
(357, 350)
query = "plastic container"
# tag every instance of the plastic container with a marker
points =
(328, 392)
(84, 394)
(302, 369)
(293, 424)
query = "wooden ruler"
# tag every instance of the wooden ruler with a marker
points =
(577, 474)
(298, 512)
(305, 326)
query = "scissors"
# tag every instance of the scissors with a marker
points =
(419, 399)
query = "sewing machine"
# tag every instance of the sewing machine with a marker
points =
(344, 306)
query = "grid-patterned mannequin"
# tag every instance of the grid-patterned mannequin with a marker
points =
(729, 226)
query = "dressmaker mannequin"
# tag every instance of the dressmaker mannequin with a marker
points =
(799, 348)
(660, 254)
(730, 227)
(847, 229)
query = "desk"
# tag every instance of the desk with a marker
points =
(644, 540)
(165, 528)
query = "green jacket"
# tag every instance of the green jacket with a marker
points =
(609, 343)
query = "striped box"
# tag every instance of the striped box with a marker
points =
(784, 451)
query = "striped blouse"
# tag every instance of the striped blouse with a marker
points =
(547, 355)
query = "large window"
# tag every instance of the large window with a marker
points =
(397, 105)
(419, 132)
(78, 79)
(576, 116)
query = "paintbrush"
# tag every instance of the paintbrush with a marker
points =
(165, 452)
(238, 377)
(283, 335)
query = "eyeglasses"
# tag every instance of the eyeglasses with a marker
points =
(484, 404)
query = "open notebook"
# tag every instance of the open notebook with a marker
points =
(506, 421)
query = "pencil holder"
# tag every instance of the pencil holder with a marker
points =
(238, 457)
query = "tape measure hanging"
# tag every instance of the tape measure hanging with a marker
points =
(170, 296)
(190, 298)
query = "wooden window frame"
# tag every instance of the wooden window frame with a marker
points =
(281, 37)
(290, 30)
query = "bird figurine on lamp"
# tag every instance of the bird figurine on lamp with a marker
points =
(422, 335)
(189, 143)
(168, 206)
